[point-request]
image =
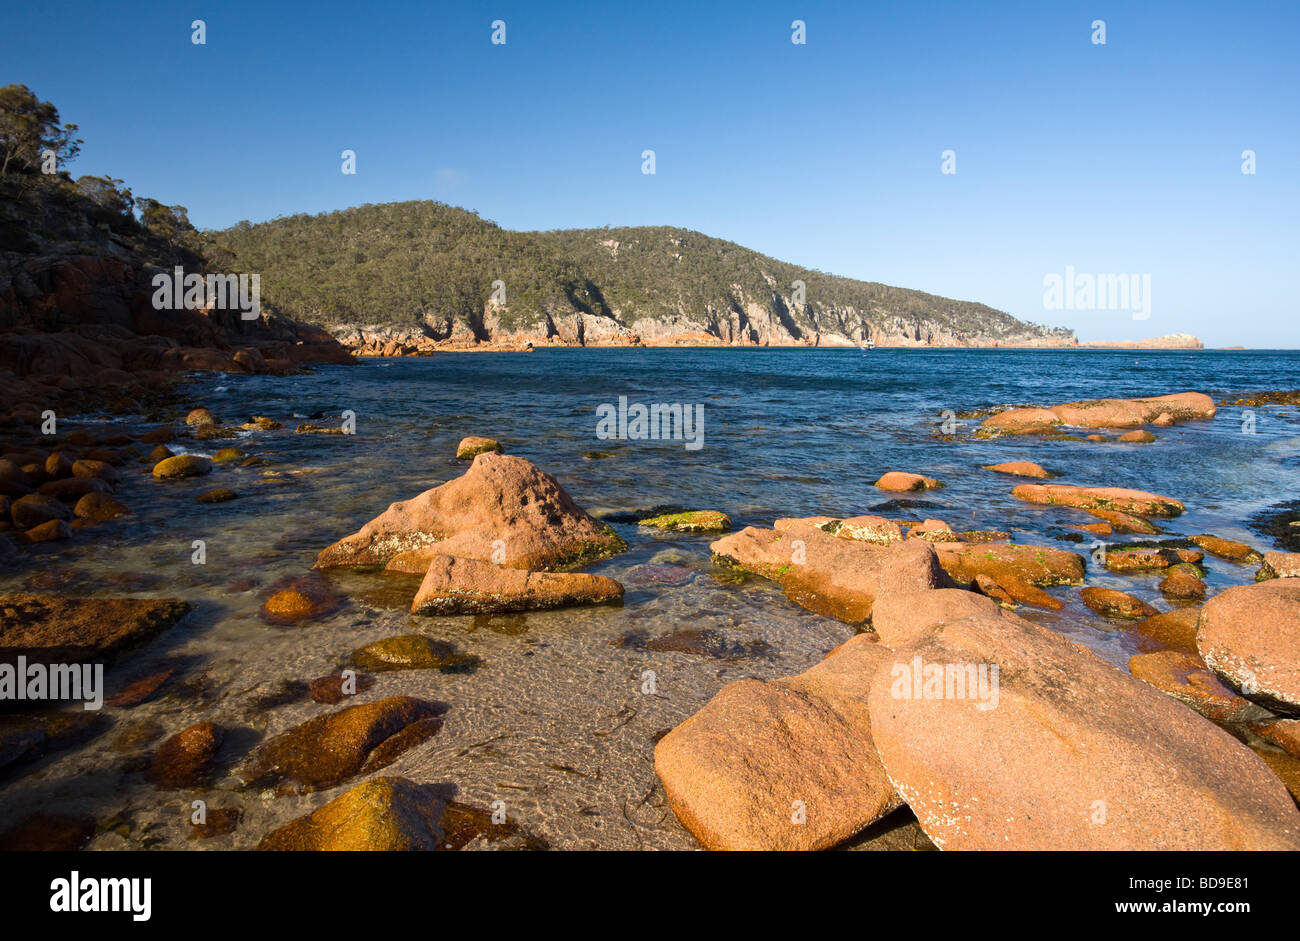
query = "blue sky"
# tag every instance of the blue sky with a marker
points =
(1122, 158)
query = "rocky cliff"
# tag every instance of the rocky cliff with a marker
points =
(418, 276)
(78, 324)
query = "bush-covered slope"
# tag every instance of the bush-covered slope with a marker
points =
(425, 267)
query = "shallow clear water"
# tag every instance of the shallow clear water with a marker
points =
(554, 721)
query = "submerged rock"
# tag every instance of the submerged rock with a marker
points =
(185, 760)
(502, 509)
(411, 652)
(1250, 636)
(220, 495)
(1284, 733)
(697, 642)
(1125, 522)
(379, 814)
(301, 598)
(468, 586)
(53, 629)
(328, 750)
(309, 429)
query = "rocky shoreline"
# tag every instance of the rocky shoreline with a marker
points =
(391, 341)
(1023, 740)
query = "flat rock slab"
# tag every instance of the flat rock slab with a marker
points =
(1104, 413)
(1075, 754)
(839, 578)
(503, 509)
(468, 586)
(1250, 636)
(1136, 502)
(1226, 549)
(1036, 565)
(53, 629)
(1019, 469)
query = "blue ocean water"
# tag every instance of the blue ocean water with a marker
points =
(556, 720)
(794, 432)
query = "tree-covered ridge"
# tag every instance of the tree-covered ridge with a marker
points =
(434, 265)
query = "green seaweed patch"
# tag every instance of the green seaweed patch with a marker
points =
(694, 521)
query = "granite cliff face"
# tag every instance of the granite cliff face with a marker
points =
(413, 277)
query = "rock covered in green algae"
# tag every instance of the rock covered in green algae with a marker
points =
(694, 521)
(411, 652)
(471, 447)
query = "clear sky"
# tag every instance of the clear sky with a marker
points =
(1116, 158)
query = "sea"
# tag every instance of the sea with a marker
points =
(556, 722)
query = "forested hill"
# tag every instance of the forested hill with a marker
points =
(426, 271)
